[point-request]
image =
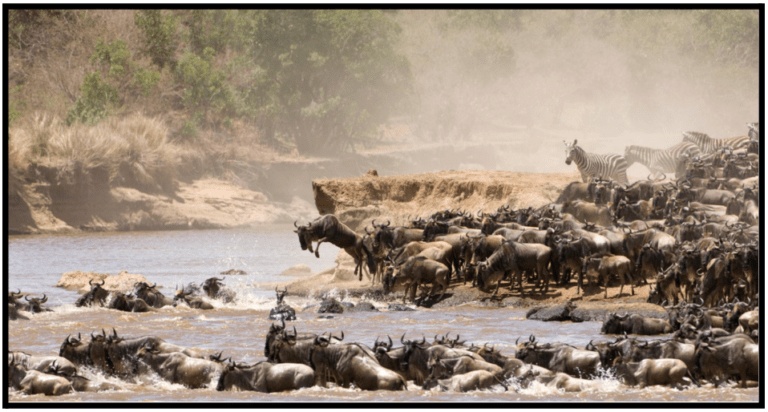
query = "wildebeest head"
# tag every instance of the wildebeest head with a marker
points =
(379, 346)
(35, 304)
(408, 348)
(613, 325)
(281, 295)
(97, 294)
(382, 233)
(74, 350)
(305, 236)
(492, 355)
(12, 296)
(212, 286)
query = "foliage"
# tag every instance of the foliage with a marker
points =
(204, 86)
(114, 56)
(15, 106)
(325, 78)
(95, 98)
(159, 35)
(26, 23)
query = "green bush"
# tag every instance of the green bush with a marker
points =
(95, 98)
(159, 36)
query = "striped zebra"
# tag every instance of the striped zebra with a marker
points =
(596, 165)
(709, 145)
(672, 159)
(754, 138)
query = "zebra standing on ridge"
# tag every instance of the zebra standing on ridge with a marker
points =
(754, 138)
(596, 165)
(709, 145)
(659, 161)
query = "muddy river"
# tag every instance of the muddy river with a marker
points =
(238, 329)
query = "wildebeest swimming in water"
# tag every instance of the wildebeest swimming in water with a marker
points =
(282, 311)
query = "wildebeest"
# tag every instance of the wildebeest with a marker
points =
(96, 295)
(195, 302)
(76, 351)
(266, 377)
(417, 270)
(127, 303)
(80, 383)
(41, 363)
(652, 372)
(214, 289)
(177, 367)
(558, 380)
(466, 382)
(635, 324)
(35, 304)
(352, 363)
(33, 382)
(328, 228)
(559, 358)
(736, 357)
(604, 267)
(151, 295)
(445, 368)
(416, 355)
(282, 311)
(513, 257)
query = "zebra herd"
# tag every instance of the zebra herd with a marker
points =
(658, 161)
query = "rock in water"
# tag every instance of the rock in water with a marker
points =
(557, 313)
(283, 312)
(397, 307)
(363, 307)
(330, 306)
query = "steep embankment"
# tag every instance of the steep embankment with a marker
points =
(357, 200)
(91, 205)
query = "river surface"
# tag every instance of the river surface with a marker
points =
(239, 329)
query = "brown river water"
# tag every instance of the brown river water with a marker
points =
(239, 329)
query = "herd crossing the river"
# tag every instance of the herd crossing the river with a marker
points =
(696, 238)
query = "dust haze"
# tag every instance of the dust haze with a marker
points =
(537, 78)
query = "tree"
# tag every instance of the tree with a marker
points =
(325, 78)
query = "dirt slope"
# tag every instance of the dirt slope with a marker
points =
(357, 200)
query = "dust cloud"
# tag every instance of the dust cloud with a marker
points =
(529, 79)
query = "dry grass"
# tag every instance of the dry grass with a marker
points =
(139, 142)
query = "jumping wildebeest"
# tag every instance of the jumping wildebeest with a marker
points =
(328, 228)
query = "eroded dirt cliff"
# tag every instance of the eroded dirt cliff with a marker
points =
(357, 200)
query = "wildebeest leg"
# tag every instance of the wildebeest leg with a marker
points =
(317, 248)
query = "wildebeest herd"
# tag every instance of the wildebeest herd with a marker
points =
(696, 236)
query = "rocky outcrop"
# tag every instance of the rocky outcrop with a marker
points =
(357, 200)
(78, 280)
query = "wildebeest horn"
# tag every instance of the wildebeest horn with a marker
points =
(294, 224)
(366, 230)
(531, 338)
(26, 297)
(67, 339)
(282, 321)
(518, 338)
(590, 344)
(390, 341)
(44, 299)
(388, 223)
(401, 339)
(114, 333)
(339, 338)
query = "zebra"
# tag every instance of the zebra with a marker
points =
(672, 159)
(596, 165)
(709, 145)
(754, 138)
